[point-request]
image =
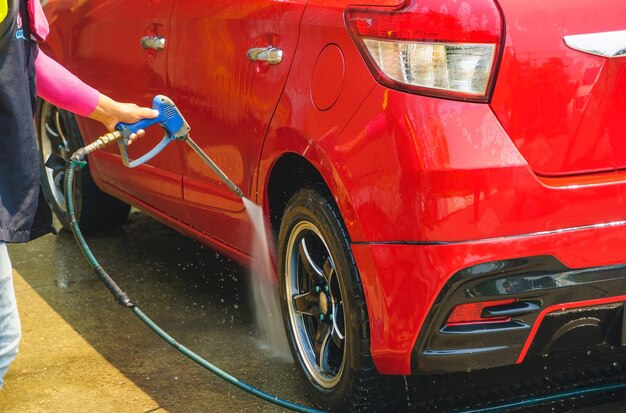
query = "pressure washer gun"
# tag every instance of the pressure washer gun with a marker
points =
(175, 127)
(170, 119)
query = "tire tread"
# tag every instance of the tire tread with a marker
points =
(369, 390)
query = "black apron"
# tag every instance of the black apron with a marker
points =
(24, 213)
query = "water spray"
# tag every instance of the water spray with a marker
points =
(176, 128)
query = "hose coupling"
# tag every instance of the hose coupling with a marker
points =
(103, 141)
(99, 143)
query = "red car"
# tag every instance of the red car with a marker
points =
(446, 179)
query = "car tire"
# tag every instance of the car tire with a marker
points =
(318, 276)
(58, 133)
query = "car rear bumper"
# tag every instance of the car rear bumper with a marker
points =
(568, 275)
(557, 309)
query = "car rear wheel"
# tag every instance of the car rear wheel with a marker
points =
(324, 306)
(58, 133)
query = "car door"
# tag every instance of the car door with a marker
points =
(228, 99)
(108, 54)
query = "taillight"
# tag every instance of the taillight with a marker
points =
(442, 48)
(472, 313)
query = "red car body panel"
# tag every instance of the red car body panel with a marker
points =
(562, 107)
(299, 126)
(228, 100)
(426, 186)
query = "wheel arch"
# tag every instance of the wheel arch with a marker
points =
(304, 164)
(289, 173)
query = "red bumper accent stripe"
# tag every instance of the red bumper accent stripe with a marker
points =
(561, 307)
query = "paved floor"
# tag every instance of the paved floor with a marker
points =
(83, 353)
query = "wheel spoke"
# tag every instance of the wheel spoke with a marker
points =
(50, 131)
(337, 337)
(329, 274)
(328, 269)
(307, 304)
(337, 332)
(311, 268)
(57, 122)
(321, 346)
(55, 134)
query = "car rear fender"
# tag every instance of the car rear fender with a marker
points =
(284, 142)
(326, 85)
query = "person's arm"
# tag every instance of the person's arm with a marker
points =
(60, 87)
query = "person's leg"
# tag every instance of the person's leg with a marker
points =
(10, 329)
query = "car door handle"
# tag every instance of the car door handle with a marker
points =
(153, 42)
(270, 54)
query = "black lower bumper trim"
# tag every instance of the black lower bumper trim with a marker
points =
(540, 285)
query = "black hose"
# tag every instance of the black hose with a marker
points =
(77, 161)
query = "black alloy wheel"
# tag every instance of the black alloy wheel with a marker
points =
(316, 304)
(58, 134)
(324, 306)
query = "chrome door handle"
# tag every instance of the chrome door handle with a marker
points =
(270, 54)
(153, 42)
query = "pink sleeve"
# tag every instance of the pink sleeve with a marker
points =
(60, 87)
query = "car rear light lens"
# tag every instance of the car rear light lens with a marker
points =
(433, 47)
(444, 66)
(471, 313)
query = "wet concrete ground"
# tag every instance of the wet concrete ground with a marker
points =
(81, 352)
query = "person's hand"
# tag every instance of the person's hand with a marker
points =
(110, 113)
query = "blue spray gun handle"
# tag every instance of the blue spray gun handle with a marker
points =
(170, 119)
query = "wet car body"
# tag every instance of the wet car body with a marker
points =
(484, 225)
